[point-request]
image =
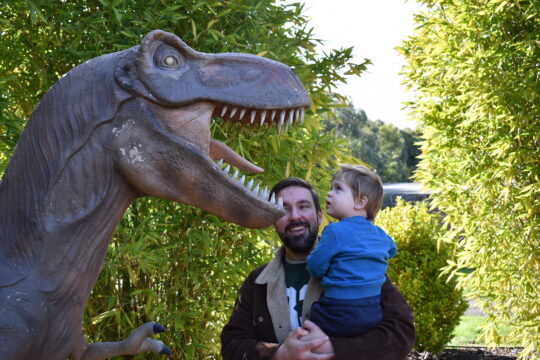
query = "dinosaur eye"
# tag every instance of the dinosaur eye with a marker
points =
(168, 58)
(170, 61)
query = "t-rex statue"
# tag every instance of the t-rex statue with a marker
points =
(117, 127)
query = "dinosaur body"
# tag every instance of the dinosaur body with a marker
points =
(121, 126)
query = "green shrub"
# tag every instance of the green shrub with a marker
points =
(474, 68)
(436, 303)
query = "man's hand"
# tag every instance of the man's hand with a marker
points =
(293, 348)
(315, 332)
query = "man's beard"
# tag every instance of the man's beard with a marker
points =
(300, 244)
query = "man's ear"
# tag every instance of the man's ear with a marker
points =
(319, 216)
(360, 203)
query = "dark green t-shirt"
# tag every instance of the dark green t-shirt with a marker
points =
(296, 282)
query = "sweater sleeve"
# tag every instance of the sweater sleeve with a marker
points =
(392, 250)
(319, 260)
(392, 339)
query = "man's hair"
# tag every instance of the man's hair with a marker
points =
(363, 182)
(294, 181)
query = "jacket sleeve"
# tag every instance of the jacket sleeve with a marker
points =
(239, 338)
(392, 339)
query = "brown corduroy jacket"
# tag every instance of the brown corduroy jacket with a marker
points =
(260, 321)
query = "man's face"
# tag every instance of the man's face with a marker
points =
(299, 227)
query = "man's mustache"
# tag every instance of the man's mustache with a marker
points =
(297, 223)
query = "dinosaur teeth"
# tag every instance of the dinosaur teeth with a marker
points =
(263, 117)
(224, 110)
(281, 118)
(280, 122)
(257, 191)
(291, 114)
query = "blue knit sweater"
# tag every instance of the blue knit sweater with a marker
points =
(351, 258)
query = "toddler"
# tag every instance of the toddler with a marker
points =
(351, 257)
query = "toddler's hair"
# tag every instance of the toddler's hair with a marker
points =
(363, 182)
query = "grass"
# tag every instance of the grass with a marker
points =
(469, 329)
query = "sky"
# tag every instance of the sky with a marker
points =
(374, 28)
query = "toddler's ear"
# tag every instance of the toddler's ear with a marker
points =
(360, 203)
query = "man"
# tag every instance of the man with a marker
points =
(267, 321)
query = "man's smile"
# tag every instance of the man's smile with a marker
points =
(297, 228)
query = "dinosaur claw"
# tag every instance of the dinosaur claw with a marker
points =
(165, 351)
(158, 328)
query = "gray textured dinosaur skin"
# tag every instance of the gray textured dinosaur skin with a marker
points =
(117, 127)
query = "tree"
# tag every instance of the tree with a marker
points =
(474, 68)
(168, 262)
(391, 151)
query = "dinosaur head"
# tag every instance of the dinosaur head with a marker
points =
(162, 140)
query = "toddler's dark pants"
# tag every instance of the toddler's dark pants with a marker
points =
(346, 317)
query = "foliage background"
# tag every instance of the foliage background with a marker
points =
(169, 262)
(436, 303)
(390, 151)
(474, 66)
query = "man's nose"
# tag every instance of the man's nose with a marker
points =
(294, 214)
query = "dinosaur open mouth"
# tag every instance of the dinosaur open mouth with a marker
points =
(253, 118)
(192, 123)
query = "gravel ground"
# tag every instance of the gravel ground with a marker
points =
(468, 353)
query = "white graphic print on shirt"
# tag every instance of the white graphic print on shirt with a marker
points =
(296, 300)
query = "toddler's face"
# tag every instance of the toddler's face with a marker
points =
(340, 201)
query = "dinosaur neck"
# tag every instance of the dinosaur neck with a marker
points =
(76, 245)
(49, 177)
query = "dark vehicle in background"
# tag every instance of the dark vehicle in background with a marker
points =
(408, 191)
